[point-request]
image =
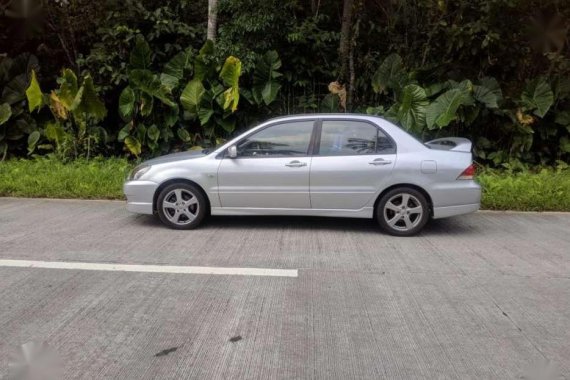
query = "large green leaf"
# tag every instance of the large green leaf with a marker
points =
(329, 103)
(486, 96)
(33, 139)
(147, 104)
(5, 112)
(140, 57)
(171, 116)
(538, 97)
(204, 115)
(169, 82)
(265, 85)
(192, 96)
(133, 145)
(203, 69)
(153, 133)
(90, 103)
(410, 111)
(34, 94)
(228, 125)
(184, 135)
(493, 85)
(127, 103)
(230, 74)
(68, 88)
(444, 109)
(55, 132)
(15, 90)
(231, 71)
(389, 74)
(148, 82)
(178, 64)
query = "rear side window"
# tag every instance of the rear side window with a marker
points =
(350, 138)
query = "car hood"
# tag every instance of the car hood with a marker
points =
(180, 156)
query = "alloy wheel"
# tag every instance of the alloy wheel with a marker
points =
(403, 212)
(180, 206)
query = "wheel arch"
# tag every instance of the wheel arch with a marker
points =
(410, 185)
(180, 180)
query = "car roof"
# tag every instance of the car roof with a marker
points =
(326, 116)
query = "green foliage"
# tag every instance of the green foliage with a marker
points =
(537, 97)
(496, 72)
(230, 74)
(431, 109)
(15, 121)
(443, 110)
(390, 74)
(5, 112)
(410, 109)
(34, 94)
(76, 110)
(147, 100)
(265, 78)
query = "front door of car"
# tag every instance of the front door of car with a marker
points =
(271, 169)
(352, 161)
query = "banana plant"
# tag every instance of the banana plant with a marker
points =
(76, 109)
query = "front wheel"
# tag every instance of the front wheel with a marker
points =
(181, 206)
(403, 211)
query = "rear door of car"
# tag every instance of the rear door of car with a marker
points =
(351, 160)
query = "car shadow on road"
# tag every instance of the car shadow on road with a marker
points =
(314, 223)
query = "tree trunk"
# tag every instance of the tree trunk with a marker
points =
(344, 48)
(212, 19)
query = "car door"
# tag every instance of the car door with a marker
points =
(271, 169)
(352, 160)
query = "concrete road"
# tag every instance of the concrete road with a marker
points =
(479, 297)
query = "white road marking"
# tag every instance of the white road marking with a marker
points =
(150, 268)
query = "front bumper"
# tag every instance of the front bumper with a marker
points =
(140, 195)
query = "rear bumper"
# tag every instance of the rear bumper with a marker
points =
(447, 211)
(140, 196)
(455, 198)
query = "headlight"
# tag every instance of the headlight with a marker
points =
(138, 172)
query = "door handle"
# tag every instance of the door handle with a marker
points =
(296, 164)
(380, 161)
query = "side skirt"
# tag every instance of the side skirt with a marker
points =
(365, 212)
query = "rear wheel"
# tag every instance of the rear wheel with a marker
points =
(181, 206)
(402, 211)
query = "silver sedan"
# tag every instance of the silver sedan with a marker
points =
(353, 166)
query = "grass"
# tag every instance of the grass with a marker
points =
(44, 178)
(542, 190)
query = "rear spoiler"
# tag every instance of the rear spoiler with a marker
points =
(456, 144)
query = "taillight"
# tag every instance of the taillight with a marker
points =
(468, 173)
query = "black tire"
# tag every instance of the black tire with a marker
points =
(392, 218)
(189, 211)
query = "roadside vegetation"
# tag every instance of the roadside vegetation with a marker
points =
(139, 78)
(102, 178)
(44, 178)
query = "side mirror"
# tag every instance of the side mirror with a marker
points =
(232, 151)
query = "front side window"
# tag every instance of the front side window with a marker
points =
(281, 140)
(349, 138)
